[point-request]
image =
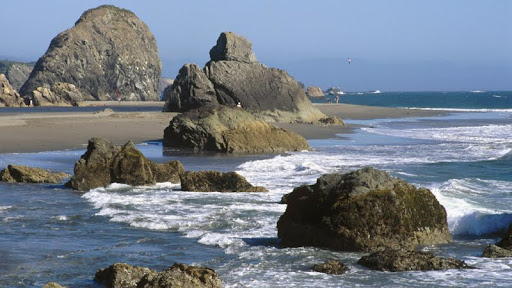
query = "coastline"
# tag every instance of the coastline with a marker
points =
(38, 132)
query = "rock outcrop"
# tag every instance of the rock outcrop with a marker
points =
(502, 248)
(60, 94)
(179, 275)
(229, 130)
(213, 181)
(398, 260)
(25, 174)
(8, 95)
(235, 76)
(314, 92)
(109, 50)
(334, 267)
(104, 163)
(364, 210)
(53, 285)
(16, 72)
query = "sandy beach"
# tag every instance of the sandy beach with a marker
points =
(37, 132)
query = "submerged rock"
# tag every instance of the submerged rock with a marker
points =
(8, 95)
(502, 248)
(364, 210)
(395, 261)
(179, 275)
(213, 181)
(229, 130)
(331, 267)
(235, 76)
(25, 174)
(53, 285)
(104, 163)
(109, 50)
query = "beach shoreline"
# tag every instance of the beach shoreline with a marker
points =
(38, 132)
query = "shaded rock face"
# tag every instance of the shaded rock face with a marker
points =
(179, 275)
(24, 174)
(18, 74)
(364, 210)
(229, 130)
(162, 84)
(331, 267)
(213, 181)
(108, 50)
(314, 92)
(234, 75)
(104, 163)
(501, 249)
(8, 96)
(395, 261)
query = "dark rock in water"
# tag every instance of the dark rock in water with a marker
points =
(399, 260)
(235, 76)
(179, 275)
(229, 130)
(213, 181)
(8, 96)
(53, 285)
(331, 267)
(104, 163)
(502, 249)
(364, 210)
(25, 174)
(108, 50)
(314, 92)
(122, 275)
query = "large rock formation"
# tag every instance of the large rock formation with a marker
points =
(229, 130)
(396, 260)
(364, 210)
(16, 72)
(25, 174)
(108, 50)
(8, 96)
(104, 163)
(502, 248)
(234, 75)
(314, 92)
(213, 181)
(179, 275)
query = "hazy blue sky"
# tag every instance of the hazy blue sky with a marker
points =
(394, 44)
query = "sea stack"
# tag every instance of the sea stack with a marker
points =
(232, 77)
(109, 52)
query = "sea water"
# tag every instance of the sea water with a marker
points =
(51, 233)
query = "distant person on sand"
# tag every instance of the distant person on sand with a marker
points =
(337, 98)
(118, 96)
(239, 105)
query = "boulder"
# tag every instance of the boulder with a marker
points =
(502, 248)
(314, 92)
(229, 130)
(8, 95)
(213, 181)
(399, 260)
(104, 163)
(364, 210)
(61, 94)
(179, 275)
(109, 50)
(25, 174)
(235, 76)
(331, 267)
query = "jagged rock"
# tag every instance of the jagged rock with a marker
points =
(364, 210)
(108, 50)
(398, 260)
(229, 130)
(8, 96)
(104, 163)
(213, 181)
(235, 76)
(331, 267)
(503, 248)
(25, 174)
(314, 92)
(181, 275)
(53, 285)
(121, 275)
(61, 94)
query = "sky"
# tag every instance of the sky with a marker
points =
(395, 45)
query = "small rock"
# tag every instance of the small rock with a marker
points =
(331, 267)
(25, 174)
(213, 181)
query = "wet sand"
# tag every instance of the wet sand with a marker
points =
(37, 132)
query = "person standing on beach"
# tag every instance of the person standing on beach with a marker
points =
(337, 98)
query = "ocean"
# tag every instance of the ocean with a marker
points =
(51, 233)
